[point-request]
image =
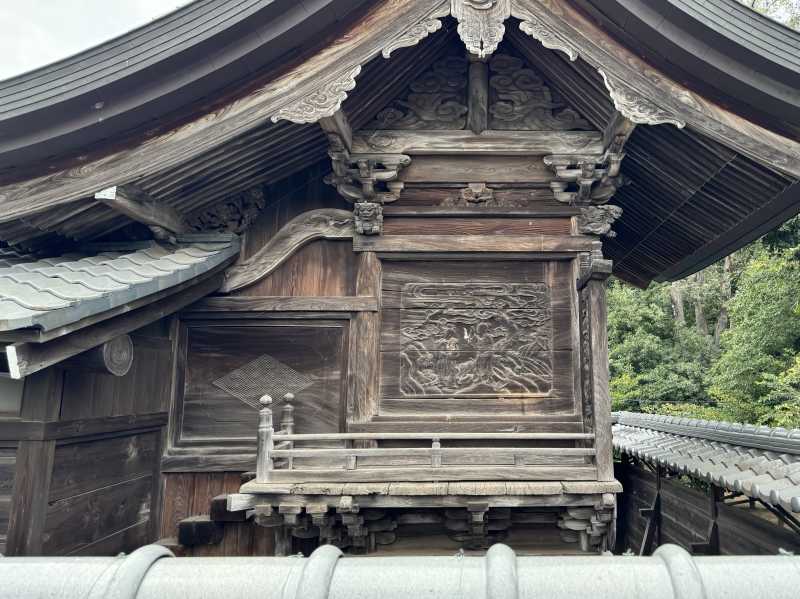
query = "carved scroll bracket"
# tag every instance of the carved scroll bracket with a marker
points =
(322, 102)
(635, 107)
(480, 23)
(325, 223)
(597, 220)
(419, 30)
(539, 30)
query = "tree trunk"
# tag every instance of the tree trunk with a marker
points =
(722, 319)
(676, 295)
(699, 316)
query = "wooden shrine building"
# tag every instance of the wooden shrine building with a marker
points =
(278, 273)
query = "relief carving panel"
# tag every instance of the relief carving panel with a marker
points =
(464, 339)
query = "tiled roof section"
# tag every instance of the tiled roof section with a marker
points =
(52, 292)
(759, 462)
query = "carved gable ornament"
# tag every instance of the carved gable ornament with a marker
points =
(480, 23)
(519, 100)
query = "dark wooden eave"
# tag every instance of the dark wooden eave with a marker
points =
(697, 193)
(729, 53)
(128, 83)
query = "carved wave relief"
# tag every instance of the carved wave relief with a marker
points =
(486, 339)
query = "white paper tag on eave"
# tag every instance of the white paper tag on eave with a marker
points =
(109, 193)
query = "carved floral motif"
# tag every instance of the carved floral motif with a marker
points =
(520, 99)
(480, 23)
(437, 100)
(597, 220)
(232, 215)
(324, 101)
(637, 108)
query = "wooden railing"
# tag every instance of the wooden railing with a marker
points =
(277, 454)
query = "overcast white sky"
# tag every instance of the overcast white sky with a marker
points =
(38, 32)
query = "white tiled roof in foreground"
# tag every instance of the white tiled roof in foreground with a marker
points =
(52, 292)
(758, 461)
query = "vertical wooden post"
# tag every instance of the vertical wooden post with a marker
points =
(364, 350)
(264, 457)
(593, 298)
(436, 453)
(478, 115)
(287, 424)
(27, 521)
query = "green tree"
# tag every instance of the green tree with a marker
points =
(784, 11)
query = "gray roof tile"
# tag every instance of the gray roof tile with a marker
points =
(47, 293)
(758, 461)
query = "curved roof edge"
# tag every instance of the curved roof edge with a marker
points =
(722, 49)
(156, 69)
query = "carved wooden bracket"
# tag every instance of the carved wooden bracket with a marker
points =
(585, 179)
(636, 107)
(326, 223)
(234, 214)
(324, 101)
(539, 30)
(597, 220)
(480, 23)
(419, 30)
(366, 180)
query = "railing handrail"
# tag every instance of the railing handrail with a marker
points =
(430, 436)
(426, 451)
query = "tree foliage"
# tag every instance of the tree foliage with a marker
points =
(724, 343)
(784, 11)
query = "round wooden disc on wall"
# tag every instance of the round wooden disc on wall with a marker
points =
(118, 355)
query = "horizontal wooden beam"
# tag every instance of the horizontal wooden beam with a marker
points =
(445, 473)
(285, 304)
(138, 205)
(457, 142)
(474, 243)
(26, 358)
(36, 430)
(479, 212)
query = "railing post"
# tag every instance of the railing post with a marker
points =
(436, 453)
(264, 458)
(287, 424)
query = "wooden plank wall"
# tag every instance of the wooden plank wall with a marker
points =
(323, 267)
(91, 486)
(190, 494)
(8, 459)
(686, 518)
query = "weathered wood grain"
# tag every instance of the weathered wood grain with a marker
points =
(490, 168)
(88, 466)
(454, 473)
(103, 512)
(28, 514)
(472, 243)
(363, 367)
(325, 223)
(473, 226)
(364, 303)
(512, 143)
